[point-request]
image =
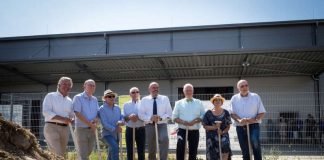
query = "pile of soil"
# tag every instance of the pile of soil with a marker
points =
(17, 143)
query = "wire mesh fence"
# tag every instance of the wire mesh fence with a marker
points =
(293, 125)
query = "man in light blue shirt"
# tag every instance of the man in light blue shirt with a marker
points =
(111, 120)
(133, 121)
(86, 107)
(188, 113)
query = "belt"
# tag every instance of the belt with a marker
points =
(189, 129)
(252, 124)
(136, 127)
(84, 127)
(60, 124)
(154, 124)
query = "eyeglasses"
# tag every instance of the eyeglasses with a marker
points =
(242, 86)
(110, 97)
(134, 92)
(91, 85)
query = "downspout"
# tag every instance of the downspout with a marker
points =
(317, 96)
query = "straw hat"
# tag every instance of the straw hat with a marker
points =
(108, 92)
(217, 96)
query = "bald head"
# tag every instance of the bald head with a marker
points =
(154, 89)
(243, 87)
(89, 86)
(188, 90)
(240, 82)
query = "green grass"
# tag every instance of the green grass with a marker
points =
(94, 156)
(273, 154)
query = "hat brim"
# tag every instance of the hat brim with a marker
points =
(112, 93)
(214, 98)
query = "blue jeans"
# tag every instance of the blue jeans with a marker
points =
(113, 148)
(254, 138)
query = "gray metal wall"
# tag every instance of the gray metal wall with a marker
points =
(268, 37)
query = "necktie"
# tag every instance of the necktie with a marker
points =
(154, 106)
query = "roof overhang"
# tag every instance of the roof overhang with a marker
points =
(161, 66)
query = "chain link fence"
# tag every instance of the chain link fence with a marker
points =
(293, 125)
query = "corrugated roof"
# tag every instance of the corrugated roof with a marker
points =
(167, 67)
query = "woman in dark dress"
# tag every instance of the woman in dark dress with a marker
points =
(217, 114)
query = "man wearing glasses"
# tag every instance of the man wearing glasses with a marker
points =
(132, 121)
(111, 120)
(246, 108)
(86, 107)
(155, 109)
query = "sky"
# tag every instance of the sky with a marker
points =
(42, 17)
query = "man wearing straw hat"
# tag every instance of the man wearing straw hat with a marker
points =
(111, 120)
(188, 113)
(134, 124)
(247, 110)
(86, 107)
(58, 113)
(155, 110)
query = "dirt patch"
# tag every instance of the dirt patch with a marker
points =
(18, 143)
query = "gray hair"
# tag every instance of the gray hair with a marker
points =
(241, 81)
(187, 85)
(89, 81)
(152, 83)
(64, 79)
(133, 88)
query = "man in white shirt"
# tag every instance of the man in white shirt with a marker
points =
(188, 113)
(156, 108)
(132, 121)
(58, 111)
(247, 109)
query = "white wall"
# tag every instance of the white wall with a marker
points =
(279, 94)
(122, 88)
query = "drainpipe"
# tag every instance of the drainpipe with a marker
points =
(317, 96)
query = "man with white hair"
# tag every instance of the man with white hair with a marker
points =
(86, 107)
(133, 123)
(58, 113)
(188, 113)
(246, 108)
(156, 109)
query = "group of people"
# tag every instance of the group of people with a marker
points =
(295, 130)
(146, 122)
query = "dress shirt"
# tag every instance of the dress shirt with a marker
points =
(164, 109)
(131, 107)
(56, 104)
(87, 106)
(246, 107)
(109, 116)
(188, 110)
